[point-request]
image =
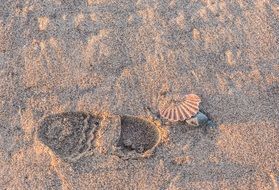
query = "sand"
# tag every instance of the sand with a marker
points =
(111, 60)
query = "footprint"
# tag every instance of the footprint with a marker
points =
(138, 135)
(69, 135)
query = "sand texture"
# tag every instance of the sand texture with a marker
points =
(81, 82)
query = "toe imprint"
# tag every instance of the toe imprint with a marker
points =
(69, 135)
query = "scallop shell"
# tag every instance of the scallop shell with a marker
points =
(181, 110)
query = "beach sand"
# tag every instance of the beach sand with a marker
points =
(111, 60)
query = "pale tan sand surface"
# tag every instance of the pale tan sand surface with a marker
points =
(113, 58)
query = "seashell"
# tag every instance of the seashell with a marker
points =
(199, 120)
(182, 109)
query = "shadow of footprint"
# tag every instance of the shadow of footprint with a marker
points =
(69, 135)
(138, 135)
